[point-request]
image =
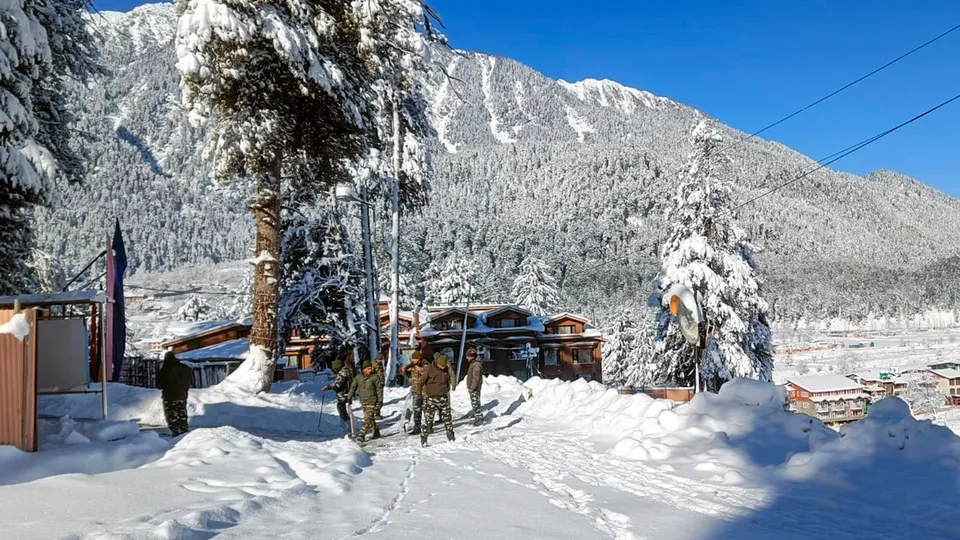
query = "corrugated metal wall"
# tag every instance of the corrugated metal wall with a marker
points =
(18, 386)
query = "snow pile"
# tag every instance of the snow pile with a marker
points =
(590, 404)
(81, 450)
(17, 325)
(889, 432)
(252, 375)
(67, 431)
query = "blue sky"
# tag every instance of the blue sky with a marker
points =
(749, 63)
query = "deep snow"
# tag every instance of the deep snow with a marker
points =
(555, 460)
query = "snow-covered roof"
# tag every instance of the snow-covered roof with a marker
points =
(875, 376)
(506, 307)
(946, 373)
(56, 299)
(235, 348)
(824, 383)
(565, 315)
(186, 329)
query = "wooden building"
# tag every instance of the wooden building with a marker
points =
(948, 382)
(833, 399)
(513, 341)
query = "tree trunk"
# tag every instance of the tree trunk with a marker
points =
(395, 249)
(266, 273)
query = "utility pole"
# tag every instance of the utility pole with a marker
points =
(395, 249)
(373, 315)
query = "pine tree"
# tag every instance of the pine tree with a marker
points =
(321, 281)
(284, 82)
(239, 305)
(196, 308)
(455, 282)
(43, 43)
(535, 288)
(709, 254)
(628, 358)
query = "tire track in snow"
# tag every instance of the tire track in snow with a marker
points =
(394, 504)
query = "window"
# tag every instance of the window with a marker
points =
(455, 324)
(483, 354)
(550, 357)
(508, 323)
(566, 329)
(583, 356)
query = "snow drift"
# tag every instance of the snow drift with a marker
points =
(740, 433)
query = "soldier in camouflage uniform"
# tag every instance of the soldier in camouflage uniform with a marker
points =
(174, 380)
(474, 384)
(414, 371)
(341, 385)
(436, 392)
(381, 380)
(366, 384)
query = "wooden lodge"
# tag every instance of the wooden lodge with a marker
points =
(513, 341)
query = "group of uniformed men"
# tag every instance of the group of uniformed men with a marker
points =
(430, 387)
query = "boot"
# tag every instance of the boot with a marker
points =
(361, 438)
(452, 438)
(415, 430)
(478, 422)
(376, 434)
(423, 439)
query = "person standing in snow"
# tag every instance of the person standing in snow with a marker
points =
(474, 384)
(341, 385)
(366, 384)
(381, 381)
(414, 371)
(174, 380)
(436, 392)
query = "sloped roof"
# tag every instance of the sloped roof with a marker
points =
(824, 383)
(235, 348)
(946, 373)
(56, 299)
(504, 308)
(565, 315)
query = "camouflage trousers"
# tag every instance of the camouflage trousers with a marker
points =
(342, 410)
(369, 420)
(175, 412)
(417, 411)
(433, 405)
(477, 409)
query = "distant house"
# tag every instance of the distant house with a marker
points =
(880, 384)
(833, 399)
(513, 341)
(948, 382)
(945, 365)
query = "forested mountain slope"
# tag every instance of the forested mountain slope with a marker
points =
(577, 173)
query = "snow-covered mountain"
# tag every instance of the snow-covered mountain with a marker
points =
(577, 173)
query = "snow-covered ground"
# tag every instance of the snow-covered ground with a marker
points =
(555, 460)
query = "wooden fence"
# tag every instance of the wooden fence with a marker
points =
(18, 385)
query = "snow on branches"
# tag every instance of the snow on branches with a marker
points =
(535, 288)
(708, 253)
(41, 43)
(456, 281)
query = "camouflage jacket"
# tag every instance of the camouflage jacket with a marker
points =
(381, 378)
(341, 385)
(367, 386)
(415, 374)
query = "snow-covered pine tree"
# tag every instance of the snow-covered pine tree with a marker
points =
(534, 288)
(455, 282)
(709, 254)
(922, 394)
(42, 44)
(321, 277)
(285, 84)
(240, 304)
(196, 308)
(628, 357)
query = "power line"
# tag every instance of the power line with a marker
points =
(836, 156)
(834, 93)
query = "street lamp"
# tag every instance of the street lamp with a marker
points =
(346, 193)
(685, 306)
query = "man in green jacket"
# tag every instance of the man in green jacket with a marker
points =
(474, 384)
(436, 398)
(174, 380)
(414, 371)
(366, 384)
